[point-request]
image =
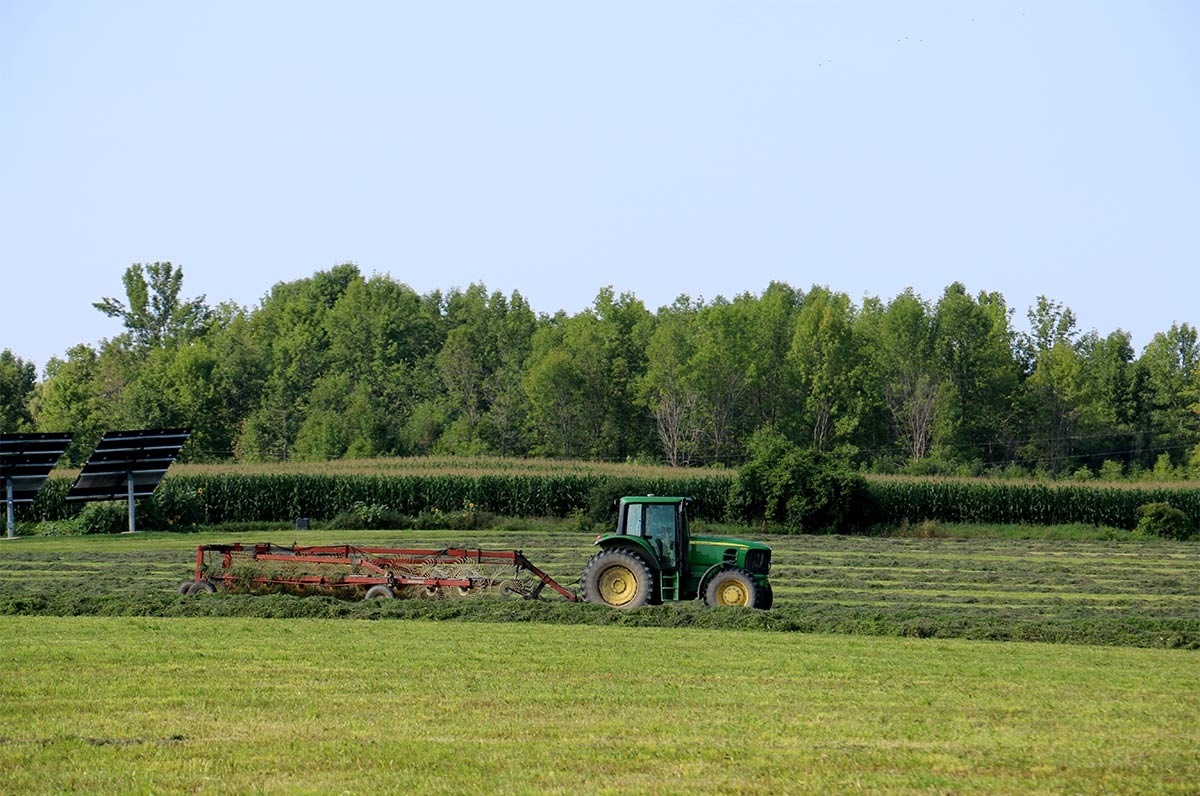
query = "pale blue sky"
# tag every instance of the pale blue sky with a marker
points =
(558, 147)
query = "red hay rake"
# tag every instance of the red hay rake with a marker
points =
(373, 572)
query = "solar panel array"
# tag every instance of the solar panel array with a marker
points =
(26, 461)
(128, 464)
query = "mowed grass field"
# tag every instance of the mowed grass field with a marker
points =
(235, 706)
(111, 683)
(1131, 593)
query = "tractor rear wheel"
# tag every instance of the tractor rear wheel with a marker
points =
(619, 578)
(732, 586)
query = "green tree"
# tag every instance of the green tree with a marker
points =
(480, 368)
(913, 390)
(1057, 390)
(721, 369)
(979, 376)
(826, 360)
(513, 327)
(69, 399)
(582, 379)
(1172, 363)
(666, 388)
(554, 384)
(17, 380)
(156, 315)
(771, 386)
(290, 329)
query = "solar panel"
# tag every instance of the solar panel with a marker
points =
(128, 464)
(27, 459)
(25, 463)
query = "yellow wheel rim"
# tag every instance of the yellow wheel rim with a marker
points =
(733, 592)
(618, 585)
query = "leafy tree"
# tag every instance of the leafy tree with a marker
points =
(17, 380)
(666, 388)
(383, 339)
(289, 329)
(899, 343)
(1172, 362)
(503, 424)
(979, 375)
(480, 367)
(582, 377)
(721, 370)
(554, 384)
(69, 399)
(771, 388)
(1056, 390)
(625, 329)
(156, 315)
(826, 359)
(1050, 323)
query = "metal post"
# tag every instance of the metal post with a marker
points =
(132, 518)
(12, 524)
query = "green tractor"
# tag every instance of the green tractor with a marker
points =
(652, 558)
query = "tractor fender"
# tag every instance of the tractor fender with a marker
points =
(702, 585)
(635, 543)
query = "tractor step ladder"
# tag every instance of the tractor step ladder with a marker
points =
(668, 583)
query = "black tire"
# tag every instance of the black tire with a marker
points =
(184, 587)
(732, 586)
(618, 578)
(379, 592)
(766, 597)
(201, 587)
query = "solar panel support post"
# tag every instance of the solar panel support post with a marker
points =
(132, 514)
(12, 523)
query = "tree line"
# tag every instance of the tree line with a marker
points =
(345, 365)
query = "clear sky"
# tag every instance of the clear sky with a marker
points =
(1031, 148)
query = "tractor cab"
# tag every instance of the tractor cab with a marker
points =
(660, 523)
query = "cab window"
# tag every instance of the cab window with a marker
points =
(660, 529)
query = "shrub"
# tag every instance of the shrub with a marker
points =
(105, 517)
(370, 517)
(1163, 519)
(798, 489)
(174, 506)
(468, 518)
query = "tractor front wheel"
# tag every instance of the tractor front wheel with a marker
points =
(732, 587)
(766, 597)
(620, 578)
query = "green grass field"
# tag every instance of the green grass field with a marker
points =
(1132, 593)
(112, 683)
(151, 705)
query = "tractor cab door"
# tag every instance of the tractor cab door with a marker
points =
(659, 524)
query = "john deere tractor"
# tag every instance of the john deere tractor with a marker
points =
(652, 558)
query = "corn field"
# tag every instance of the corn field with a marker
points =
(894, 501)
(184, 501)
